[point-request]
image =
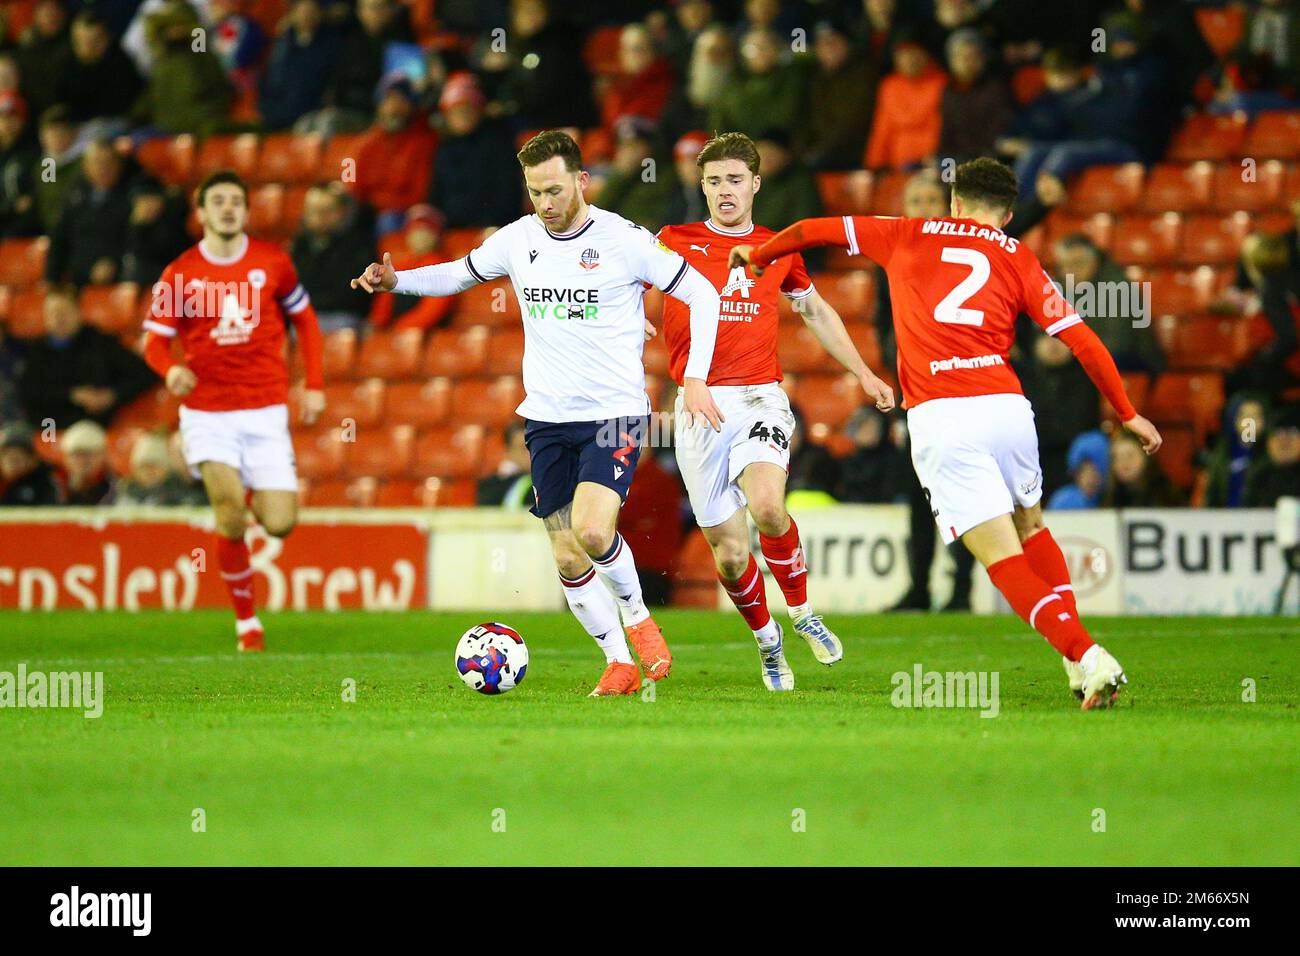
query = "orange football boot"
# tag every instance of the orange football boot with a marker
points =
(618, 679)
(648, 641)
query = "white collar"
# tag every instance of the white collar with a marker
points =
(730, 232)
(223, 260)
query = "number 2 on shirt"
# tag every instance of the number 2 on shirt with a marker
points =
(952, 309)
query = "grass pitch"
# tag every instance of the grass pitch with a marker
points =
(715, 770)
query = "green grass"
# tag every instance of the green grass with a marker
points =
(711, 771)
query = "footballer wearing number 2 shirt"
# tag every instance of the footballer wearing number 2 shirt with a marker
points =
(228, 300)
(745, 465)
(957, 284)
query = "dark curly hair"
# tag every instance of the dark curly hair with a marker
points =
(986, 182)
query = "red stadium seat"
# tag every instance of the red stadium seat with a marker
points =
(1195, 397)
(429, 493)
(1212, 342)
(1274, 135)
(422, 404)
(357, 493)
(887, 193)
(391, 355)
(290, 158)
(381, 453)
(487, 303)
(506, 352)
(1113, 189)
(457, 352)
(361, 403)
(295, 197)
(22, 261)
(827, 400)
(266, 209)
(1180, 291)
(449, 452)
(851, 294)
(845, 194)
(799, 351)
(238, 152)
(1209, 137)
(1178, 187)
(1213, 239)
(864, 338)
(1146, 240)
(1099, 228)
(115, 309)
(457, 242)
(1221, 26)
(319, 453)
(1177, 453)
(339, 159)
(491, 403)
(169, 158)
(339, 354)
(1028, 83)
(27, 313)
(597, 145)
(156, 409)
(1252, 188)
(600, 50)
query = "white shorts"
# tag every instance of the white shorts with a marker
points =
(976, 457)
(758, 427)
(253, 441)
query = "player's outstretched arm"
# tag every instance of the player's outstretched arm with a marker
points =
(1097, 362)
(825, 323)
(872, 236)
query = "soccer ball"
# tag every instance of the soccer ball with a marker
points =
(491, 658)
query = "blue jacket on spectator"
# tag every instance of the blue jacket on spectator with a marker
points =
(1093, 448)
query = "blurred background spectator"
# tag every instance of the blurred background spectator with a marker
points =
(25, 480)
(476, 182)
(85, 474)
(394, 162)
(331, 243)
(1136, 479)
(874, 471)
(908, 119)
(419, 246)
(511, 486)
(843, 87)
(1089, 463)
(1279, 474)
(151, 480)
(301, 63)
(1228, 464)
(768, 95)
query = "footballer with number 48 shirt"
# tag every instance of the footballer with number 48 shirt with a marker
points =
(958, 284)
(745, 465)
(228, 300)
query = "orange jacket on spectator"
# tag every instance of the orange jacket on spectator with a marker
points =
(393, 169)
(907, 122)
(425, 311)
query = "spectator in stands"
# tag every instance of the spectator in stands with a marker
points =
(977, 106)
(1136, 478)
(25, 480)
(643, 83)
(43, 54)
(237, 40)
(299, 67)
(98, 79)
(76, 371)
(476, 182)
(1046, 117)
(18, 165)
(187, 90)
(1086, 273)
(511, 487)
(11, 370)
(690, 19)
(709, 77)
(86, 478)
(58, 137)
(812, 467)
(1229, 463)
(1053, 379)
(789, 188)
(1089, 463)
(420, 241)
(685, 201)
(1169, 31)
(330, 244)
(841, 96)
(770, 95)
(1272, 34)
(907, 121)
(547, 83)
(136, 40)
(881, 28)
(155, 234)
(875, 471)
(360, 64)
(1265, 260)
(634, 189)
(1280, 474)
(395, 160)
(90, 238)
(151, 480)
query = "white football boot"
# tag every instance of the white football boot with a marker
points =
(826, 647)
(1074, 671)
(776, 672)
(1102, 678)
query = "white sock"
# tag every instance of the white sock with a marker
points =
(596, 611)
(800, 611)
(768, 634)
(246, 625)
(619, 569)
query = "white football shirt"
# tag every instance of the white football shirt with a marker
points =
(580, 295)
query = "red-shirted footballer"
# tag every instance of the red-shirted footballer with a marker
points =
(957, 286)
(227, 301)
(744, 466)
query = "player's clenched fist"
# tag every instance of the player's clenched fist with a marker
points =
(743, 256)
(1147, 433)
(878, 391)
(181, 380)
(698, 403)
(313, 403)
(379, 276)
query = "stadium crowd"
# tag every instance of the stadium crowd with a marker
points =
(393, 125)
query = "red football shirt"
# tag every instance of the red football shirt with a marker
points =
(745, 353)
(956, 288)
(230, 315)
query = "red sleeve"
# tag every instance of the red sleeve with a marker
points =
(309, 340)
(798, 282)
(871, 236)
(158, 353)
(1099, 365)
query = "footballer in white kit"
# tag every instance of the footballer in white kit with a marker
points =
(579, 273)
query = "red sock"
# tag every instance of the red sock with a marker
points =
(1044, 609)
(1048, 562)
(784, 557)
(750, 596)
(232, 557)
